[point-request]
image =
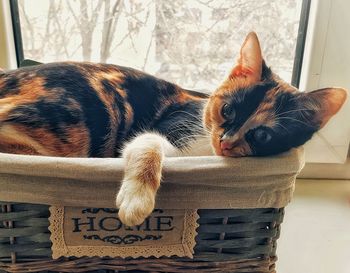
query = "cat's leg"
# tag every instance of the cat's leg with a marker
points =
(143, 169)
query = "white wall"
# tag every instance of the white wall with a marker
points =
(7, 49)
(315, 236)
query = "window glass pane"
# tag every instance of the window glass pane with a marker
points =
(193, 43)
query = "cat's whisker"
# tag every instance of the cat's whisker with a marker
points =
(280, 125)
(296, 120)
(191, 137)
(278, 108)
(183, 131)
(187, 124)
(187, 113)
(292, 111)
(183, 126)
(199, 137)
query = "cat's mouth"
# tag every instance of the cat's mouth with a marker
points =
(226, 148)
(235, 149)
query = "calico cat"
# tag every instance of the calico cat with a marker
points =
(99, 110)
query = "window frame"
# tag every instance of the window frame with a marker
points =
(17, 34)
(301, 39)
(319, 70)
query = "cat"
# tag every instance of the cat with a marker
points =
(83, 109)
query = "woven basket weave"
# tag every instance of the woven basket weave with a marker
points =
(241, 240)
(239, 223)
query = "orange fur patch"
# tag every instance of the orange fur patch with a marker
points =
(41, 141)
(12, 134)
(183, 97)
(151, 169)
(213, 111)
(129, 116)
(29, 90)
(215, 139)
(16, 148)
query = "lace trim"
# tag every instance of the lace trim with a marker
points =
(183, 249)
(56, 228)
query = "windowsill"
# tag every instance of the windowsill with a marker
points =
(326, 171)
(315, 230)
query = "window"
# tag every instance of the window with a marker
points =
(193, 43)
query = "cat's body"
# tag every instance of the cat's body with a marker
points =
(100, 110)
(91, 110)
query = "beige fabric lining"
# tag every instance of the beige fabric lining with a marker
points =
(188, 182)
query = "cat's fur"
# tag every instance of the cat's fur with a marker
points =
(94, 110)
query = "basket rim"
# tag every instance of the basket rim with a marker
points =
(187, 181)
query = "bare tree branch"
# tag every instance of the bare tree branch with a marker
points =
(86, 25)
(110, 22)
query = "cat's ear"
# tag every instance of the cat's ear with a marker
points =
(249, 64)
(325, 102)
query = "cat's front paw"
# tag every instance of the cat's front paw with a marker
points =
(135, 201)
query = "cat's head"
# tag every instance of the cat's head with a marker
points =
(254, 112)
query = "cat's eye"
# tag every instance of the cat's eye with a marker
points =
(228, 112)
(262, 136)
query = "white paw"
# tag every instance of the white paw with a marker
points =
(135, 201)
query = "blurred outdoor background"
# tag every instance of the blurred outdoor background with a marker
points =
(192, 43)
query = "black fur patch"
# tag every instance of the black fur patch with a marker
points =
(76, 86)
(53, 116)
(245, 102)
(119, 105)
(145, 94)
(266, 73)
(181, 123)
(11, 86)
(294, 126)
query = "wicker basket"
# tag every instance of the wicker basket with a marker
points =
(234, 235)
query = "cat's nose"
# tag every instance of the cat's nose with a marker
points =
(226, 145)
